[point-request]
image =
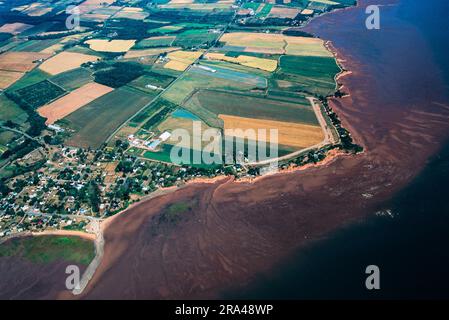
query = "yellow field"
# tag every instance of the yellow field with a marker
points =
(65, 61)
(148, 52)
(73, 101)
(110, 45)
(249, 61)
(180, 60)
(289, 134)
(303, 46)
(176, 65)
(7, 78)
(20, 61)
(276, 43)
(59, 46)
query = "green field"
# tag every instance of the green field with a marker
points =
(154, 79)
(47, 249)
(251, 5)
(73, 79)
(166, 29)
(97, 120)
(195, 38)
(197, 78)
(11, 111)
(265, 11)
(314, 75)
(242, 105)
(35, 45)
(155, 42)
(164, 156)
(29, 78)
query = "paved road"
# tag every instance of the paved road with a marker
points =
(22, 133)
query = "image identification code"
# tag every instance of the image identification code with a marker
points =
(225, 309)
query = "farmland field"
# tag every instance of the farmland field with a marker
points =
(10, 110)
(65, 61)
(175, 122)
(180, 60)
(195, 38)
(73, 101)
(110, 45)
(198, 78)
(290, 134)
(29, 78)
(312, 74)
(153, 79)
(249, 61)
(94, 122)
(131, 54)
(38, 94)
(7, 78)
(73, 79)
(20, 61)
(275, 44)
(36, 45)
(154, 42)
(252, 107)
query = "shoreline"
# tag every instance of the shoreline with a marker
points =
(98, 236)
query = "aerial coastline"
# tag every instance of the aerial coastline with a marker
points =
(372, 179)
(208, 236)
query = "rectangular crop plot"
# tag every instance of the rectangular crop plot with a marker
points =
(290, 134)
(97, 120)
(73, 101)
(155, 42)
(242, 105)
(20, 61)
(149, 80)
(195, 38)
(312, 74)
(37, 94)
(73, 79)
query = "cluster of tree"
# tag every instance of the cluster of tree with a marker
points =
(53, 35)
(297, 33)
(128, 28)
(94, 196)
(125, 165)
(37, 123)
(53, 140)
(119, 74)
(347, 143)
(5, 36)
(21, 149)
(4, 189)
(159, 116)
